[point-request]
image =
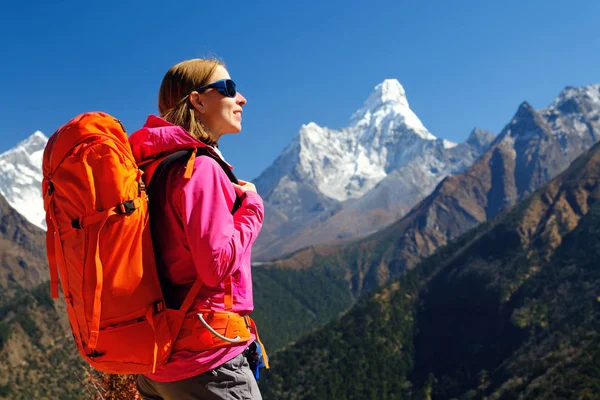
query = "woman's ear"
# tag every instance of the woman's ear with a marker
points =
(196, 100)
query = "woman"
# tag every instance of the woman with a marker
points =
(200, 233)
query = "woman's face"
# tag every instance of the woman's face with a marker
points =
(219, 114)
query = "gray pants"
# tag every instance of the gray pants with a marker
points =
(232, 381)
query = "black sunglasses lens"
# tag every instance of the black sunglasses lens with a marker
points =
(230, 87)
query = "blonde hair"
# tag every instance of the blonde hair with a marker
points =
(173, 97)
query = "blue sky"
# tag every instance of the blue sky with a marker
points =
(463, 63)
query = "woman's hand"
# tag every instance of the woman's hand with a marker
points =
(244, 187)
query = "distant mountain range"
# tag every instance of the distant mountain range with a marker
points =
(332, 185)
(509, 310)
(533, 148)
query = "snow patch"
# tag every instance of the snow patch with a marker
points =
(21, 178)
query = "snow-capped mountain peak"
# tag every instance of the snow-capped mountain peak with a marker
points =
(574, 100)
(387, 108)
(585, 93)
(389, 91)
(384, 135)
(480, 139)
(575, 109)
(34, 143)
(21, 177)
(37, 140)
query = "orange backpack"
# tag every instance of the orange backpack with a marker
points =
(97, 218)
(99, 241)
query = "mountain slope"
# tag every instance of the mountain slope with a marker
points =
(38, 358)
(22, 252)
(293, 301)
(508, 310)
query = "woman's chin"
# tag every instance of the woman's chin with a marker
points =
(233, 130)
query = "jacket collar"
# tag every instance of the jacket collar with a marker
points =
(159, 137)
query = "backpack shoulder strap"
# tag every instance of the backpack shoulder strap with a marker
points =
(159, 177)
(159, 181)
(203, 151)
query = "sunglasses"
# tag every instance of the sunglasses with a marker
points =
(224, 86)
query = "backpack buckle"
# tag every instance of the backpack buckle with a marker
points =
(159, 306)
(127, 207)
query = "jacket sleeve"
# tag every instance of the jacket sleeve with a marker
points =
(217, 239)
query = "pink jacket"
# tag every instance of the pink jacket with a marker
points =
(201, 238)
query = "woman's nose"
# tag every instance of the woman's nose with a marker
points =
(241, 100)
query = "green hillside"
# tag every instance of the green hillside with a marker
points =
(38, 359)
(290, 302)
